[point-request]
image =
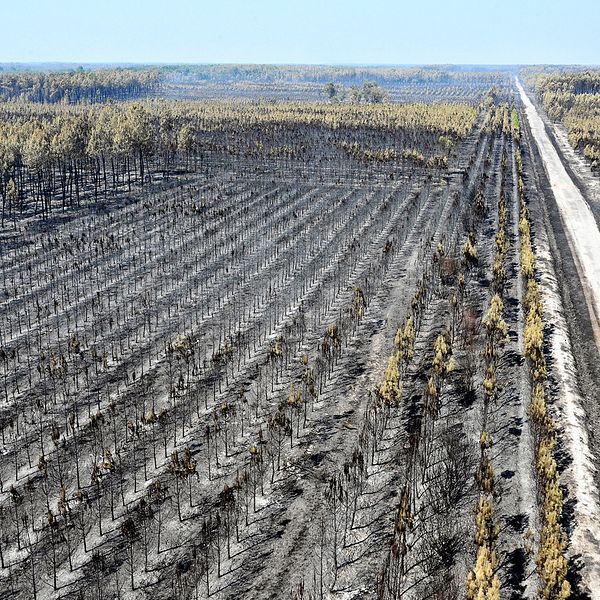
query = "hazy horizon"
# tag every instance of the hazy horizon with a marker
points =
(346, 33)
(75, 64)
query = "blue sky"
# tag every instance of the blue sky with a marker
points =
(306, 31)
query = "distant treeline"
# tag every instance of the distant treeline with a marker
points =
(80, 86)
(341, 75)
(97, 85)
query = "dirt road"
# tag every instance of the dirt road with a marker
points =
(576, 214)
(584, 241)
(577, 217)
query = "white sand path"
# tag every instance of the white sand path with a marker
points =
(584, 241)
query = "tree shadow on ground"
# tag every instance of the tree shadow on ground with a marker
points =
(575, 579)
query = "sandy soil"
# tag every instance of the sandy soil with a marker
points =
(579, 166)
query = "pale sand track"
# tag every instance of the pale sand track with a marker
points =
(584, 240)
(576, 215)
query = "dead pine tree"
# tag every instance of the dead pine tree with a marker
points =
(146, 513)
(130, 533)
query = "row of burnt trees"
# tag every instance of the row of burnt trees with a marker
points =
(345, 488)
(483, 580)
(552, 564)
(425, 541)
(417, 545)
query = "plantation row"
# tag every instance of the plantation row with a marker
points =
(551, 561)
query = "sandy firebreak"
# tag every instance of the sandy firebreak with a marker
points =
(576, 214)
(584, 240)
